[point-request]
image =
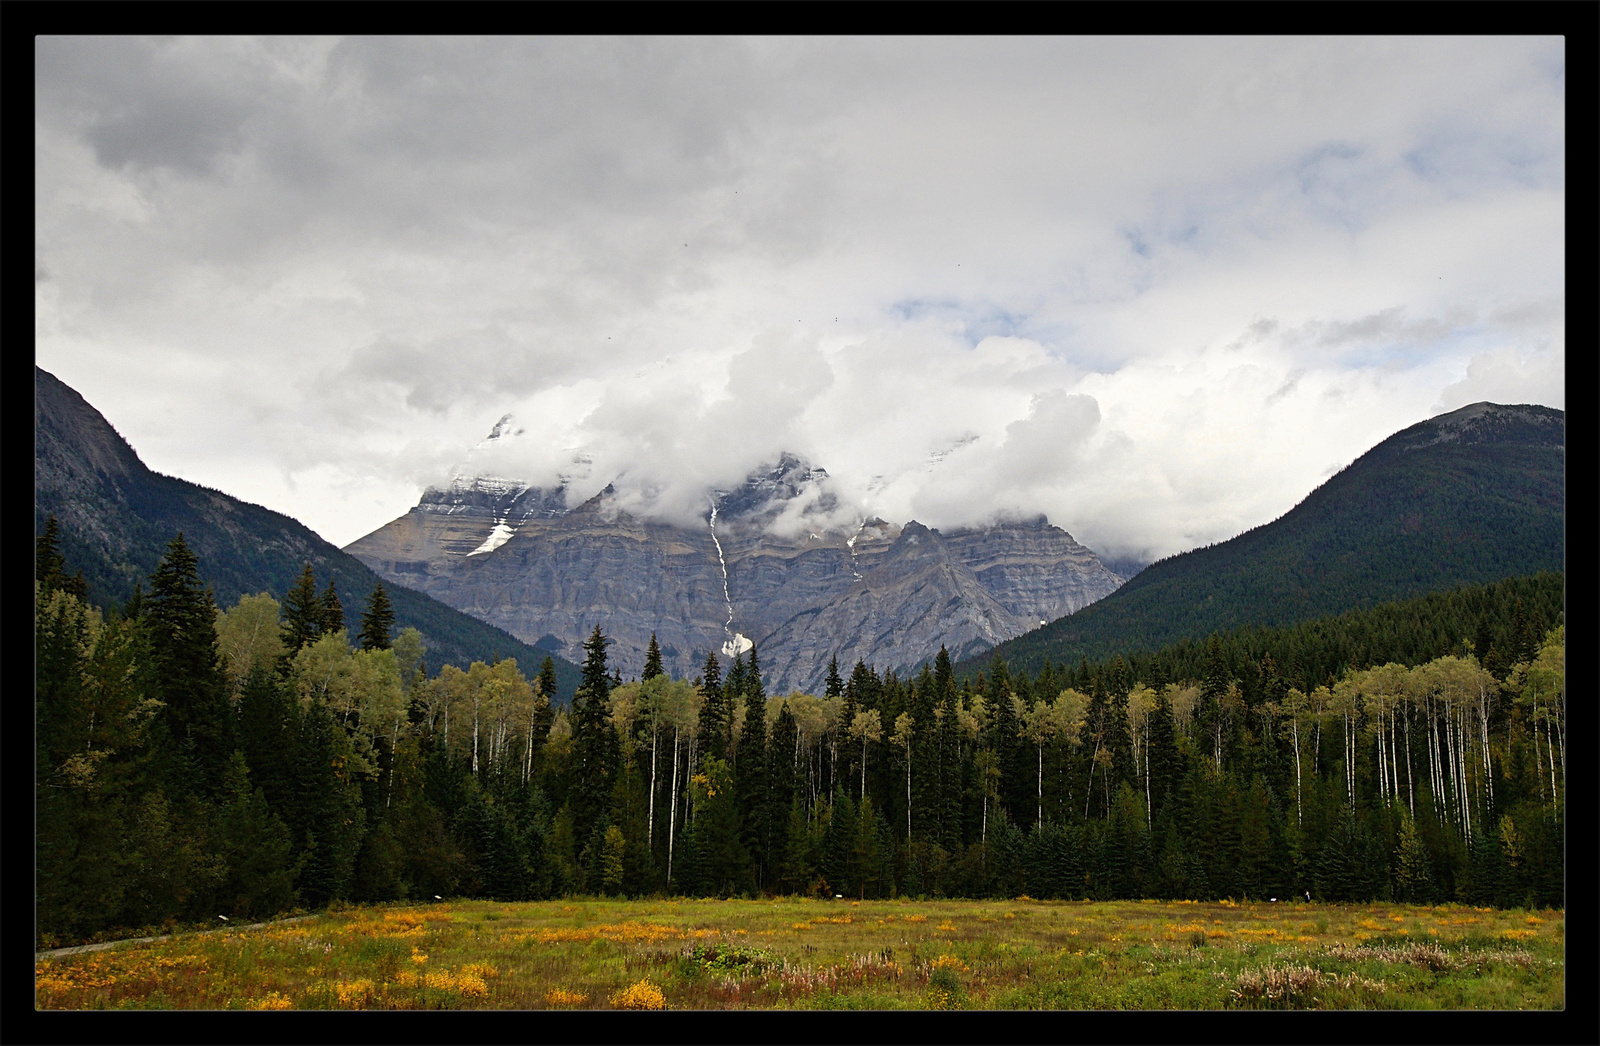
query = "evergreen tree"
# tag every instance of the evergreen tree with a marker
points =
(1117, 740)
(544, 713)
(951, 782)
(839, 863)
(714, 723)
(547, 680)
(1521, 642)
(652, 660)
(378, 622)
(1213, 692)
(834, 687)
(733, 688)
(724, 867)
(253, 845)
(327, 818)
(266, 734)
(595, 752)
(844, 769)
(332, 610)
(303, 614)
(1163, 755)
(181, 622)
(750, 776)
(782, 791)
(1413, 883)
(1005, 741)
(48, 564)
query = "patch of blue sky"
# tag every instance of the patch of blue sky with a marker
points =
(1403, 350)
(979, 320)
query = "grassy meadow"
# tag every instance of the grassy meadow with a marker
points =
(794, 953)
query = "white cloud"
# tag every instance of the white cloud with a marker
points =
(1152, 288)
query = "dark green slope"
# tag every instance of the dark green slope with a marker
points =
(1469, 497)
(116, 517)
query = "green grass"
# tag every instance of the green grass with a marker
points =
(792, 953)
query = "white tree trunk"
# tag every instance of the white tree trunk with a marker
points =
(1294, 724)
(672, 816)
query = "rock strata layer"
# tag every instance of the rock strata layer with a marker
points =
(513, 556)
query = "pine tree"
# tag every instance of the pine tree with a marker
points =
(303, 614)
(652, 661)
(378, 622)
(180, 619)
(332, 610)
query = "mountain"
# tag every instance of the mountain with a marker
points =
(1468, 497)
(116, 517)
(764, 568)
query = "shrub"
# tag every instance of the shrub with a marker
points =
(641, 996)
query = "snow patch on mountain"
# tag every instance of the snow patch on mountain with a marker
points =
(497, 537)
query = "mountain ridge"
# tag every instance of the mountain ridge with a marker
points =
(116, 516)
(1470, 496)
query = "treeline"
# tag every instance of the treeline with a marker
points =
(194, 762)
(1501, 622)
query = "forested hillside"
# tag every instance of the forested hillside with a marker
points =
(196, 761)
(116, 516)
(1468, 497)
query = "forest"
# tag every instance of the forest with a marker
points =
(194, 761)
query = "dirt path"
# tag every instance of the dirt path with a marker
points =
(103, 945)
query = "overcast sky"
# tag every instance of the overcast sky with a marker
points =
(1158, 290)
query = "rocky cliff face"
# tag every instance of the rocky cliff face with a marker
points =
(516, 557)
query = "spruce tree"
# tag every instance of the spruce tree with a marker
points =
(782, 789)
(332, 610)
(1213, 690)
(378, 622)
(303, 614)
(595, 751)
(750, 775)
(1163, 755)
(1004, 740)
(834, 686)
(652, 661)
(1118, 741)
(924, 755)
(950, 773)
(544, 712)
(266, 734)
(713, 732)
(180, 620)
(547, 678)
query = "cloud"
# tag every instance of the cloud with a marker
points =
(1152, 288)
